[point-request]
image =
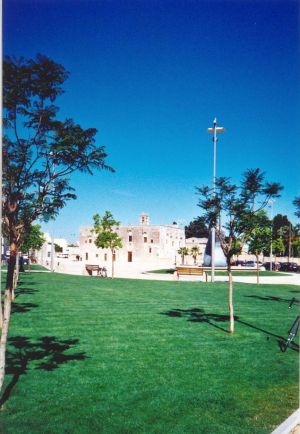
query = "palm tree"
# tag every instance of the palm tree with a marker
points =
(195, 251)
(183, 251)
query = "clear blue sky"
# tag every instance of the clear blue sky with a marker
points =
(151, 76)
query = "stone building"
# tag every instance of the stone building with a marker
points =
(142, 243)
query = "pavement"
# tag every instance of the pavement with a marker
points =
(139, 271)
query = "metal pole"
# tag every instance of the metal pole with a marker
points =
(214, 130)
(271, 249)
(213, 231)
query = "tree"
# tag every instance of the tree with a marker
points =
(197, 228)
(282, 228)
(277, 247)
(33, 240)
(40, 152)
(183, 251)
(296, 202)
(195, 251)
(260, 238)
(57, 248)
(238, 207)
(107, 238)
(296, 248)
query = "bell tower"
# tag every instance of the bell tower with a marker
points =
(144, 219)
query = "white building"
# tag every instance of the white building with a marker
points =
(142, 244)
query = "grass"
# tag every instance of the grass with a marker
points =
(224, 273)
(92, 355)
(33, 267)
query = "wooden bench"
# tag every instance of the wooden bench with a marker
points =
(91, 268)
(96, 270)
(190, 271)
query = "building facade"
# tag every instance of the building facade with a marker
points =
(140, 243)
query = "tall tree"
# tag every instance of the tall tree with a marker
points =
(33, 240)
(195, 251)
(40, 152)
(197, 228)
(107, 237)
(183, 252)
(238, 207)
(279, 221)
(296, 202)
(260, 238)
(277, 248)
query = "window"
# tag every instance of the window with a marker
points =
(150, 250)
(97, 256)
(90, 240)
(114, 257)
(105, 256)
(130, 238)
(129, 256)
(86, 256)
(151, 241)
(145, 239)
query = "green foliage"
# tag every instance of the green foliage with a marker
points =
(195, 251)
(57, 248)
(238, 207)
(33, 238)
(197, 228)
(40, 151)
(183, 251)
(296, 202)
(278, 247)
(259, 240)
(279, 222)
(296, 248)
(104, 227)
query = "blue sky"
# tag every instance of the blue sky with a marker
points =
(151, 76)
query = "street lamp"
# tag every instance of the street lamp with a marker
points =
(214, 130)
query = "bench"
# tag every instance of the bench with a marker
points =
(190, 271)
(96, 270)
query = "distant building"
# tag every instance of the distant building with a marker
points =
(141, 243)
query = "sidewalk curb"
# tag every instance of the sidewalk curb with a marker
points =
(288, 426)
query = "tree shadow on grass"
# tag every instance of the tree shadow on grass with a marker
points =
(22, 307)
(23, 288)
(199, 315)
(47, 353)
(272, 298)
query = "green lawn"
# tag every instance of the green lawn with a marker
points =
(91, 355)
(224, 273)
(33, 267)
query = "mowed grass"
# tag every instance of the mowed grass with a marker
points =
(234, 273)
(90, 355)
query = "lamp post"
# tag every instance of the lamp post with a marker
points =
(271, 247)
(214, 130)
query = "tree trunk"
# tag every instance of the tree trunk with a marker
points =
(28, 266)
(230, 299)
(11, 277)
(8, 298)
(1, 309)
(257, 270)
(4, 333)
(112, 264)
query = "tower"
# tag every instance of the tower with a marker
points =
(144, 219)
